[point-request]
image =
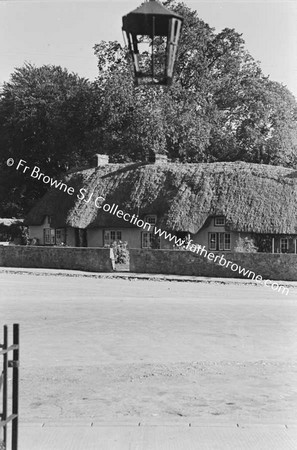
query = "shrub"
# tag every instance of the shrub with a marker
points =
(121, 252)
(245, 245)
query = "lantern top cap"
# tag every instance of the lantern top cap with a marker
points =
(154, 8)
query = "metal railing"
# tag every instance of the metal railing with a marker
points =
(7, 418)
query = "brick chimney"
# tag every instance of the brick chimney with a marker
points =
(101, 160)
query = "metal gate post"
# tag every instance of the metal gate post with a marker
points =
(15, 386)
(13, 364)
(5, 377)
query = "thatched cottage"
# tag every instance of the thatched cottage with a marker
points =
(215, 204)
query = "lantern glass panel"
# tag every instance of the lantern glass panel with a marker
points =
(152, 34)
(172, 43)
(149, 58)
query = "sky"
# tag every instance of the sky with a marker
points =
(64, 32)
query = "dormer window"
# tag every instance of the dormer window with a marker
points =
(219, 221)
(151, 219)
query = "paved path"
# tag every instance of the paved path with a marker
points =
(81, 436)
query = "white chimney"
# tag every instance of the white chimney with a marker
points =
(101, 160)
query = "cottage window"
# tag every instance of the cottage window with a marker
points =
(146, 240)
(212, 241)
(115, 235)
(284, 245)
(219, 221)
(227, 241)
(112, 235)
(221, 241)
(151, 219)
(48, 236)
(60, 236)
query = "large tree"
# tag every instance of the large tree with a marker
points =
(220, 108)
(47, 117)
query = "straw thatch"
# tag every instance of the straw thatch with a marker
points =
(253, 198)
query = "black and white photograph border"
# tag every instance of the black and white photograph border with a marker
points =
(148, 225)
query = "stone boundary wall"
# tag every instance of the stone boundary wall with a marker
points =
(177, 262)
(71, 258)
(174, 262)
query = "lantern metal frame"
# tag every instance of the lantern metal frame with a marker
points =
(158, 23)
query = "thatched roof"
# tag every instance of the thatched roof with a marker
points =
(252, 197)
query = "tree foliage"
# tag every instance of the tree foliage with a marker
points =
(47, 118)
(220, 108)
(46, 114)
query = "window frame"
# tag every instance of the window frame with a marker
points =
(62, 238)
(281, 245)
(49, 236)
(151, 216)
(221, 241)
(149, 236)
(108, 241)
(227, 246)
(210, 246)
(216, 219)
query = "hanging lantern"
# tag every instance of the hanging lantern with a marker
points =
(152, 33)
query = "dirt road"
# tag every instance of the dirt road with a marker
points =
(116, 349)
